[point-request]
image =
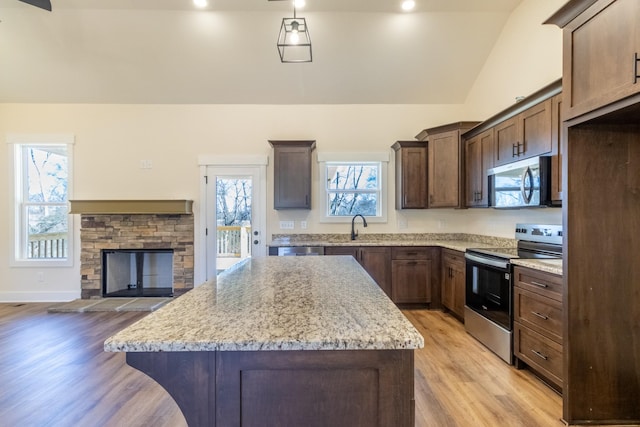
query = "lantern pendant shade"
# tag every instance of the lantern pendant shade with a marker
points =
(294, 42)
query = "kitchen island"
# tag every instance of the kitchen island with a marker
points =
(281, 341)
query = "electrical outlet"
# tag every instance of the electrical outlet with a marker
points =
(287, 225)
(402, 222)
(146, 164)
(303, 225)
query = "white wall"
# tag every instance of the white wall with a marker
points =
(526, 57)
(112, 139)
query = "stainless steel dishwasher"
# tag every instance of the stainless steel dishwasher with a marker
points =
(300, 250)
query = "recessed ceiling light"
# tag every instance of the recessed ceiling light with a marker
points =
(299, 3)
(200, 3)
(408, 5)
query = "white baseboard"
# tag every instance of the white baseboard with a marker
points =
(38, 296)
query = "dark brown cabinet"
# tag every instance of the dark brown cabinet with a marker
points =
(601, 53)
(537, 339)
(557, 141)
(411, 174)
(525, 135)
(292, 174)
(412, 271)
(601, 269)
(445, 181)
(478, 158)
(375, 260)
(453, 281)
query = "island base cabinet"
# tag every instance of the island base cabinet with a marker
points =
(287, 388)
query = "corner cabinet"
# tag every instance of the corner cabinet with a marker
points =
(446, 164)
(292, 174)
(376, 261)
(411, 174)
(601, 53)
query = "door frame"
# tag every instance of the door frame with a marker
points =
(259, 164)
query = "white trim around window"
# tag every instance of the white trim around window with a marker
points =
(381, 158)
(15, 144)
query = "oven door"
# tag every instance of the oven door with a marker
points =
(488, 289)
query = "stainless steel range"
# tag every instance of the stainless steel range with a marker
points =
(488, 312)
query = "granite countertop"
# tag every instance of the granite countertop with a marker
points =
(549, 265)
(456, 241)
(276, 303)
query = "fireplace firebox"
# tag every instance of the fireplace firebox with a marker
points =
(137, 273)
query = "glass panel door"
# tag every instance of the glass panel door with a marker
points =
(234, 218)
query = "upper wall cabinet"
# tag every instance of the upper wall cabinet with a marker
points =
(411, 174)
(446, 164)
(525, 135)
(601, 53)
(292, 174)
(478, 158)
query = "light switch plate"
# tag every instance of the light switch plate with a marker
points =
(287, 225)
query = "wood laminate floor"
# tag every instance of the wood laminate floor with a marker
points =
(53, 372)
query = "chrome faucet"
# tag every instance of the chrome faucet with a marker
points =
(354, 233)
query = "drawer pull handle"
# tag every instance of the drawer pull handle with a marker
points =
(540, 355)
(542, 316)
(542, 285)
(412, 253)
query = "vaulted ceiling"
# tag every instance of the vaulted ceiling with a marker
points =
(167, 51)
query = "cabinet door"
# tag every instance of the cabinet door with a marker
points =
(535, 130)
(458, 272)
(411, 177)
(411, 280)
(479, 158)
(506, 139)
(447, 289)
(558, 139)
(600, 49)
(377, 262)
(444, 170)
(292, 174)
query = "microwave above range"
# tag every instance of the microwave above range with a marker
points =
(522, 184)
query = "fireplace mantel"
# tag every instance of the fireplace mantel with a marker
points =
(131, 207)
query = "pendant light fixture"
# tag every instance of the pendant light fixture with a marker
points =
(294, 42)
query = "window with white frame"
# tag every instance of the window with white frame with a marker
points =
(42, 186)
(352, 186)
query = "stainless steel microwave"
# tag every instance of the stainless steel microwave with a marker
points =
(522, 184)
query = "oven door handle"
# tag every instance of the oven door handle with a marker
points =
(486, 261)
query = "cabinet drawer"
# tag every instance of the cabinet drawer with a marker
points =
(539, 313)
(539, 282)
(452, 257)
(410, 253)
(539, 352)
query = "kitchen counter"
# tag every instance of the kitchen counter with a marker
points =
(276, 303)
(242, 349)
(549, 265)
(456, 241)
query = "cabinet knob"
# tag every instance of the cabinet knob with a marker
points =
(255, 242)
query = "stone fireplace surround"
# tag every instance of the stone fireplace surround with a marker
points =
(135, 231)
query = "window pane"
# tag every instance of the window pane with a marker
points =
(47, 232)
(348, 204)
(46, 174)
(352, 176)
